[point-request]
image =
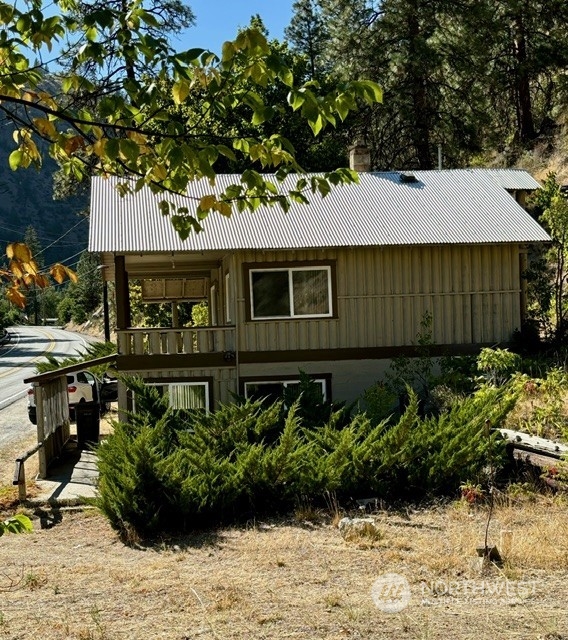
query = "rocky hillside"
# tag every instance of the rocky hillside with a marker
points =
(26, 198)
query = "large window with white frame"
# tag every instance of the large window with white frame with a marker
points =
(291, 292)
(184, 395)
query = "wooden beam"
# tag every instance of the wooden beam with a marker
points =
(123, 320)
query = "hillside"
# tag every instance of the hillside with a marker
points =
(26, 198)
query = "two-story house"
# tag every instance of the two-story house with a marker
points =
(335, 288)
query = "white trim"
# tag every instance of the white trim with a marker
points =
(165, 383)
(290, 271)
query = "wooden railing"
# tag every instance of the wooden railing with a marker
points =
(20, 472)
(156, 341)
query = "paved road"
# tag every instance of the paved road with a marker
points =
(18, 359)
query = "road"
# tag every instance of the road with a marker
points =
(18, 359)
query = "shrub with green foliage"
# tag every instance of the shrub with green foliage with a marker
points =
(498, 365)
(168, 469)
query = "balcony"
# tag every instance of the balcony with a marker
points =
(194, 341)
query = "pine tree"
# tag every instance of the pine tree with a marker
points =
(34, 298)
(308, 35)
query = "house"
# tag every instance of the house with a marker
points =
(335, 288)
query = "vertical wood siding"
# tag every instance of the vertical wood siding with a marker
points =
(472, 293)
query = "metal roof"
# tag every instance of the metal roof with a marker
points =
(440, 207)
(510, 179)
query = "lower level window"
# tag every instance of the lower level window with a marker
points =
(185, 395)
(273, 390)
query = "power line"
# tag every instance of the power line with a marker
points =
(61, 237)
(41, 239)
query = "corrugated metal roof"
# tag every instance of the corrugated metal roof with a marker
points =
(511, 179)
(440, 207)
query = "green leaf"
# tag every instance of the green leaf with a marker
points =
(164, 207)
(225, 151)
(112, 148)
(184, 225)
(296, 99)
(316, 125)
(15, 159)
(129, 149)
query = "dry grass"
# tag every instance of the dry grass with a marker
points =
(9, 453)
(284, 580)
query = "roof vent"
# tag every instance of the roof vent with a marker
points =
(408, 177)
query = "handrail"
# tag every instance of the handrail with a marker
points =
(170, 341)
(20, 472)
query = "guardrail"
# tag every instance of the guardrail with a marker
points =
(20, 471)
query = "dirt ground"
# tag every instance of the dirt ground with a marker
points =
(293, 579)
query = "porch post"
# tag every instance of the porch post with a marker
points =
(123, 320)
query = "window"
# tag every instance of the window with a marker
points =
(273, 390)
(294, 292)
(185, 395)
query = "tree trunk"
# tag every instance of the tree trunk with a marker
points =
(420, 106)
(525, 121)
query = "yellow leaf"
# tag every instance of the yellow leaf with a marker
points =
(58, 272)
(30, 267)
(41, 281)
(224, 208)
(72, 144)
(15, 267)
(159, 172)
(45, 127)
(138, 137)
(71, 275)
(30, 96)
(180, 91)
(207, 202)
(99, 147)
(16, 297)
(47, 100)
(19, 251)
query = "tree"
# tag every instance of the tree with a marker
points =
(119, 124)
(33, 301)
(163, 18)
(84, 296)
(315, 154)
(307, 33)
(525, 63)
(411, 46)
(118, 133)
(548, 278)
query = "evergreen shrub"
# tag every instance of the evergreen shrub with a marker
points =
(167, 469)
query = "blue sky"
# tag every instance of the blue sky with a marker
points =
(218, 20)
